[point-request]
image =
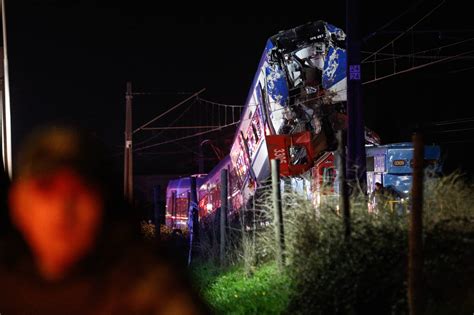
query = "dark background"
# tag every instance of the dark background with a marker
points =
(70, 60)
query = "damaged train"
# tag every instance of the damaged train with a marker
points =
(295, 106)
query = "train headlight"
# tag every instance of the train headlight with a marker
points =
(209, 207)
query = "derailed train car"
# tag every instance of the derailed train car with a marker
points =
(295, 105)
(177, 201)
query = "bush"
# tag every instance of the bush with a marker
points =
(335, 276)
(368, 274)
(148, 230)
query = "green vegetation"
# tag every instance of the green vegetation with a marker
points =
(326, 274)
(233, 292)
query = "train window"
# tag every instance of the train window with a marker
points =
(255, 134)
(370, 164)
(241, 165)
(329, 175)
(298, 155)
(243, 143)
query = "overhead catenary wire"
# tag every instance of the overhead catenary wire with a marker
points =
(461, 70)
(169, 125)
(219, 104)
(216, 122)
(453, 121)
(185, 137)
(169, 110)
(417, 67)
(405, 32)
(455, 130)
(414, 5)
(161, 93)
(397, 56)
(181, 127)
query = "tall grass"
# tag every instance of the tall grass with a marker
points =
(368, 273)
(326, 274)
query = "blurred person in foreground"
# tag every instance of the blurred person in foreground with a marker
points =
(74, 246)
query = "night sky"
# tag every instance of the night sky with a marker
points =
(70, 60)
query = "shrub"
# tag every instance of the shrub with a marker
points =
(368, 273)
(148, 230)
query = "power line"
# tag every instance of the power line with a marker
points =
(220, 104)
(431, 31)
(461, 70)
(397, 56)
(418, 67)
(419, 57)
(392, 20)
(455, 130)
(185, 137)
(180, 127)
(416, 53)
(161, 93)
(406, 31)
(213, 126)
(170, 124)
(169, 110)
(454, 121)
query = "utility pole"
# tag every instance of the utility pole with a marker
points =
(356, 160)
(128, 154)
(5, 118)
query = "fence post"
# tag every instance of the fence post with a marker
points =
(415, 254)
(223, 215)
(279, 231)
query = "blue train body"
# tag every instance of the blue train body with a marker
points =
(295, 105)
(392, 165)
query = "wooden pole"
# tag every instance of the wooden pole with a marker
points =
(277, 206)
(223, 216)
